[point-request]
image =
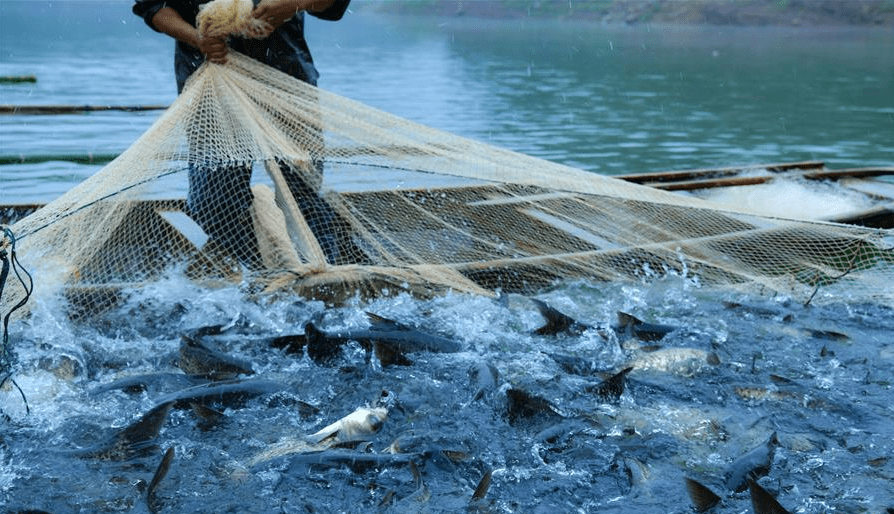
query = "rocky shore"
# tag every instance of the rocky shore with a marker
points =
(710, 12)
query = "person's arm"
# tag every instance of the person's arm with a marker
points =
(170, 22)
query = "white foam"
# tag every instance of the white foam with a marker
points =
(791, 198)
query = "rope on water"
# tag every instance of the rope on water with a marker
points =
(11, 262)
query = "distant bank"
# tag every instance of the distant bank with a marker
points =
(708, 12)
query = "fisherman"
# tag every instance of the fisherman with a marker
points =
(219, 193)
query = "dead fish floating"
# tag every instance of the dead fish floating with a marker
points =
(356, 426)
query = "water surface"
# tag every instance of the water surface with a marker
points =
(603, 98)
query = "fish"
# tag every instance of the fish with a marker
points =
(150, 382)
(762, 393)
(684, 361)
(574, 365)
(484, 378)
(522, 406)
(130, 440)
(483, 486)
(827, 334)
(362, 422)
(384, 336)
(638, 474)
(359, 424)
(763, 502)
(208, 417)
(354, 460)
(789, 390)
(231, 393)
(557, 322)
(767, 311)
(151, 500)
(703, 498)
(752, 465)
(632, 327)
(199, 360)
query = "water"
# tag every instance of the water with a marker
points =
(606, 99)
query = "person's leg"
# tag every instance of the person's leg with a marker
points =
(220, 201)
(333, 233)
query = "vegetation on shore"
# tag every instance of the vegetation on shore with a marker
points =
(712, 12)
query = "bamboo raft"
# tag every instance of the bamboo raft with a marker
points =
(879, 216)
(117, 267)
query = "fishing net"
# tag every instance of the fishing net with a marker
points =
(254, 177)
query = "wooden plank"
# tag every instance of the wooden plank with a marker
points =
(709, 183)
(850, 173)
(684, 175)
(690, 185)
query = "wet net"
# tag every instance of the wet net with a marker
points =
(254, 177)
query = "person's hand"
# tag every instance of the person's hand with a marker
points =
(274, 13)
(214, 48)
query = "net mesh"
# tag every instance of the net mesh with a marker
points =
(228, 185)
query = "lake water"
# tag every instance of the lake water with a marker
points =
(606, 99)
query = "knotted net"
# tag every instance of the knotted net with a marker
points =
(293, 188)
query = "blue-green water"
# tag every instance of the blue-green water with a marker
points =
(607, 99)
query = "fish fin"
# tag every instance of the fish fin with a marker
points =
(556, 321)
(375, 318)
(762, 502)
(703, 499)
(145, 429)
(211, 330)
(613, 387)
(381, 322)
(626, 320)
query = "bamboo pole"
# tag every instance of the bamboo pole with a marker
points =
(11, 110)
(89, 158)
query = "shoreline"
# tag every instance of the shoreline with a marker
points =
(785, 13)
